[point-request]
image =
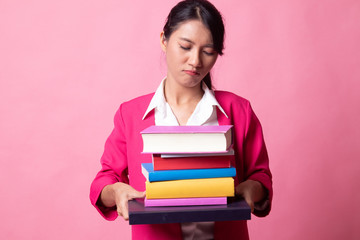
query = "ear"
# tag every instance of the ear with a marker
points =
(163, 42)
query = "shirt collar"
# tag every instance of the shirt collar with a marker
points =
(158, 101)
(209, 98)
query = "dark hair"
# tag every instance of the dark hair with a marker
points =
(203, 11)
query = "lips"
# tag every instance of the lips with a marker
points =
(191, 72)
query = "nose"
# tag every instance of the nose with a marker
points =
(195, 59)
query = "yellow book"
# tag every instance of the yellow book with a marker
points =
(188, 188)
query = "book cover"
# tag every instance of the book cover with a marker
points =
(185, 201)
(169, 162)
(167, 175)
(188, 188)
(186, 139)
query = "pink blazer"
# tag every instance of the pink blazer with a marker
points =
(122, 158)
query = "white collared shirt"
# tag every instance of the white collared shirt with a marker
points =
(204, 114)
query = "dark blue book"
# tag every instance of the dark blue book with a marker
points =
(236, 209)
(169, 175)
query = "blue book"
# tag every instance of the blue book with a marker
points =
(168, 175)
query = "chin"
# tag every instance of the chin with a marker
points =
(191, 83)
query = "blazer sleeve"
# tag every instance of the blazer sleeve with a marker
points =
(257, 160)
(113, 166)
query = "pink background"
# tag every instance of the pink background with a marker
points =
(65, 66)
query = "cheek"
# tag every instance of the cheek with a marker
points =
(174, 56)
(210, 62)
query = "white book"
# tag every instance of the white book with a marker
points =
(187, 139)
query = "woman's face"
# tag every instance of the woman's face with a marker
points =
(190, 53)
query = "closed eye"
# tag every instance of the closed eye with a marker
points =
(209, 53)
(185, 48)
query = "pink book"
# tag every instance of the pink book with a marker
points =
(187, 129)
(185, 201)
(187, 139)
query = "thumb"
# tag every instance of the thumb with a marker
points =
(136, 194)
(249, 202)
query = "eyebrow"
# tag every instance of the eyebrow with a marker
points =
(210, 45)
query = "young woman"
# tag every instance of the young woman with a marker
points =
(192, 39)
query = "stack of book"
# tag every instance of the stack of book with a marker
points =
(191, 165)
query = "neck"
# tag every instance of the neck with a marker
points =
(179, 95)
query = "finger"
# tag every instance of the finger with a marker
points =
(124, 209)
(120, 207)
(119, 212)
(250, 203)
(252, 207)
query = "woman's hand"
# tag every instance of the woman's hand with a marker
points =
(252, 191)
(119, 194)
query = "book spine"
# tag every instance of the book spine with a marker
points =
(185, 201)
(208, 187)
(167, 175)
(191, 162)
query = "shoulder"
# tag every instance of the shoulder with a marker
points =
(142, 100)
(229, 99)
(137, 103)
(134, 108)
